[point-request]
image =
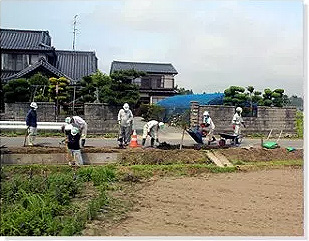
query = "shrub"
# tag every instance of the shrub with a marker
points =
(300, 124)
(150, 112)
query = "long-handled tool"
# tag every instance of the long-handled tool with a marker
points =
(26, 135)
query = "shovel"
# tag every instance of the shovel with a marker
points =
(27, 133)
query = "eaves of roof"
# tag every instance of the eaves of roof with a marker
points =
(161, 68)
(15, 39)
(41, 62)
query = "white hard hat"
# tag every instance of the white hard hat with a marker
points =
(34, 105)
(74, 131)
(161, 125)
(239, 109)
(206, 113)
(67, 120)
(126, 106)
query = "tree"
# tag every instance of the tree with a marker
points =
(235, 96)
(183, 91)
(257, 98)
(297, 101)
(17, 90)
(117, 88)
(59, 90)
(39, 85)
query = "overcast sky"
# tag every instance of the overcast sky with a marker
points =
(212, 44)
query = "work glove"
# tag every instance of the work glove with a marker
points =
(119, 122)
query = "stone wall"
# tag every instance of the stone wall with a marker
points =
(101, 118)
(268, 118)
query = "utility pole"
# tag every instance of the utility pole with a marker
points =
(74, 31)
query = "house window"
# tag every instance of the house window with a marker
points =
(34, 58)
(160, 83)
(168, 82)
(14, 61)
(156, 99)
(145, 83)
(137, 81)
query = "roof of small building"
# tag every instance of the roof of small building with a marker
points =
(155, 68)
(25, 39)
(76, 64)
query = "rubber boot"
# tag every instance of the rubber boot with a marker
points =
(152, 142)
(83, 142)
(143, 142)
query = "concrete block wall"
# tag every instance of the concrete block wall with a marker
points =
(268, 118)
(101, 118)
(18, 111)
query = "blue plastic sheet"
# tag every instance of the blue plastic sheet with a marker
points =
(183, 101)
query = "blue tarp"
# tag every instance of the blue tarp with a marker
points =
(183, 101)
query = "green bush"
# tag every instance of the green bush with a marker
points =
(151, 112)
(300, 124)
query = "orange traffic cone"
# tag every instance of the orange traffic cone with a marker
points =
(133, 142)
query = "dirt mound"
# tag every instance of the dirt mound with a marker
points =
(261, 154)
(153, 156)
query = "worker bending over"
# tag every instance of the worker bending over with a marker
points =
(210, 126)
(125, 121)
(237, 122)
(81, 124)
(151, 129)
(74, 147)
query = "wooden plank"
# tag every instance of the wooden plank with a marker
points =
(223, 159)
(214, 159)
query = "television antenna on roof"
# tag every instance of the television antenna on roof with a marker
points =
(74, 31)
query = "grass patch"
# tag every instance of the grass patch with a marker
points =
(37, 200)
(147, 171)
(276, 163)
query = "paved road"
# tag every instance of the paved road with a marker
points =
(172, 138)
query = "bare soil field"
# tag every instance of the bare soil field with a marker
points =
(266, 202)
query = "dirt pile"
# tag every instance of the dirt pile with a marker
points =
(260, 154)
(153, 156)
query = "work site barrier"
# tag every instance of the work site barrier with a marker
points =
(21, 125)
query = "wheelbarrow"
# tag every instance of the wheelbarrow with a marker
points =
(234, 139)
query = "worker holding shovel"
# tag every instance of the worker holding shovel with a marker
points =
(210, 126)
(151, 129)
(237, 121)
(31, 122)
(125, 121)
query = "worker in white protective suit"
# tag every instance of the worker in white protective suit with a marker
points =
(237, 121)
(82, 126)
(125, 121)
(151, 129)
(210, 126)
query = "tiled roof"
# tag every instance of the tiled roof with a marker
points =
(25, 39)
(40, 63)
(76, 64)
(159, 68)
